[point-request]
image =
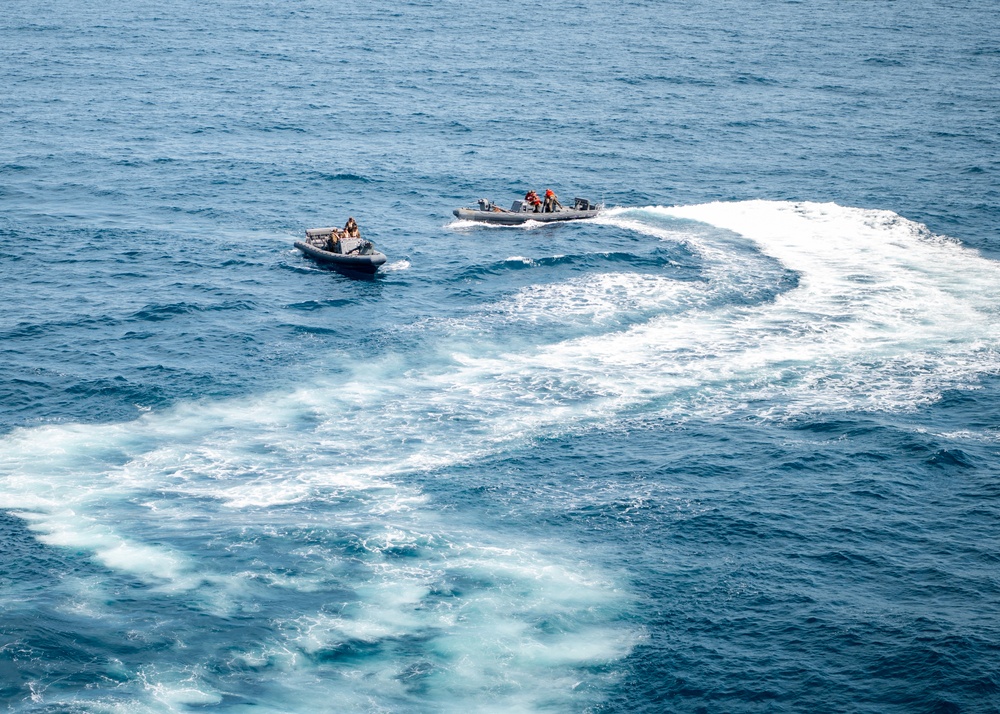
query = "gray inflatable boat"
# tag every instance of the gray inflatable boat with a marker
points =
(521, 212)
(355, 254)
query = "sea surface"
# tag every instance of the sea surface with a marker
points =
(733, 446)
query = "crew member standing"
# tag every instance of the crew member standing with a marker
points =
(551, 201)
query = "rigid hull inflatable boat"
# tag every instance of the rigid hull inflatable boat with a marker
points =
(347, 253)
(521, 212)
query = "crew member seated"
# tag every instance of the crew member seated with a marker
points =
(351, 228)
(532, 199)
(333, 244)
(551, 201)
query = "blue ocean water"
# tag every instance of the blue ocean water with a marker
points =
(730, 447)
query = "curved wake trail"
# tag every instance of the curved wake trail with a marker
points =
(883, 316)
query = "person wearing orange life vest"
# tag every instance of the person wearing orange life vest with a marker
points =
(532, 199)
(551, 201)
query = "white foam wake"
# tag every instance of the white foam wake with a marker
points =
(883, 316)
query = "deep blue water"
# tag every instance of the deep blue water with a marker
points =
(730, 447)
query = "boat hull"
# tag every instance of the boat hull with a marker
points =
(358, 263)
(514, 218)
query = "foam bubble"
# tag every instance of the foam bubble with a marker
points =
(484, 617)
(467, 225)
(178, 690)
(600, 298)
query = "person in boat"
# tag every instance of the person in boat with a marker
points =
(551, 201)
(351, 229)
(333, 244)
(532, 199)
